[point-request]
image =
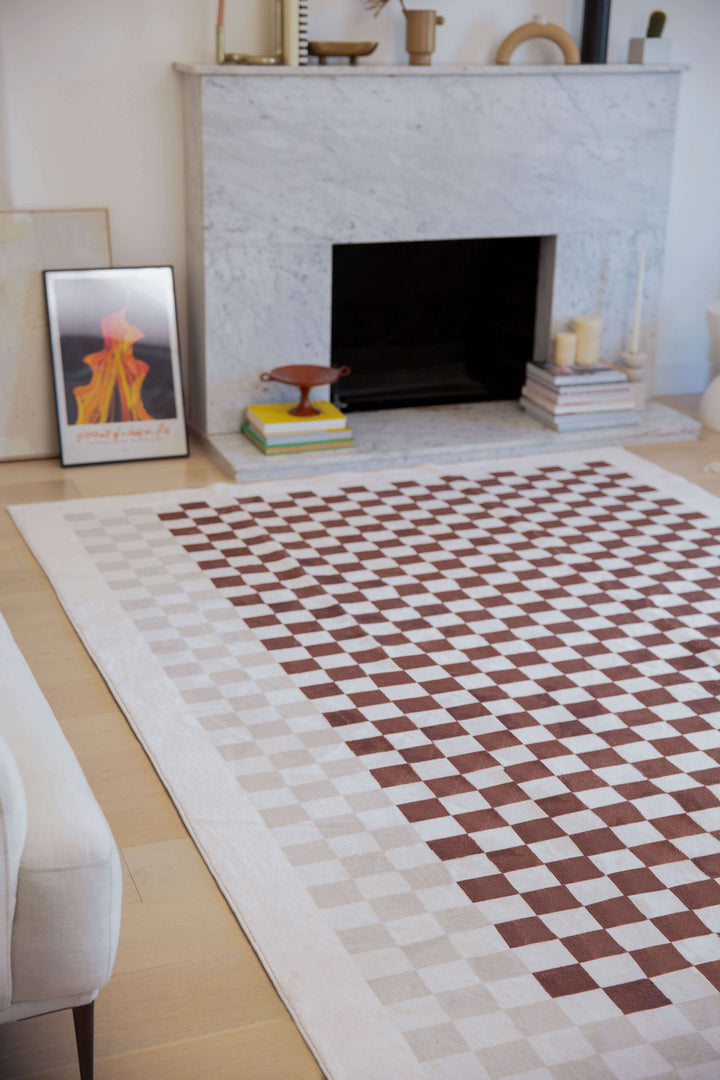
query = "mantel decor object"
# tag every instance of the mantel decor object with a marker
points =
(305, 376)
(420, 35)
(565, 349)
(349, 49)
(653, 48)
(588, 329)
(538, 28)
(634, 361)
(222, 57)
(420, 30)
(596, 27)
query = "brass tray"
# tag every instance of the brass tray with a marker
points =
(351, 49)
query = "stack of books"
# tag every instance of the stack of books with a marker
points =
(577, 399)
(274, 430)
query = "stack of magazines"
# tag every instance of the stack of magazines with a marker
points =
(577, 399)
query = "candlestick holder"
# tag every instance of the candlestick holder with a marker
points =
(636, 365)
(222, 57)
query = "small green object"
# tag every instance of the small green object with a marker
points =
(656, 24)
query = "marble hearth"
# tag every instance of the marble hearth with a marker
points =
(284, 163)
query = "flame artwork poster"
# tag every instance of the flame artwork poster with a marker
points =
(116, 362)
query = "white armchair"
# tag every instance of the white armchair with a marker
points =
(60, 881)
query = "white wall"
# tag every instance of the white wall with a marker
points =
(90, 115)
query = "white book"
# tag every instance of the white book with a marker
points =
(578, 391)
(582, 421)
(564, 408)
(290, 438)
(553, 376)
(291, 33)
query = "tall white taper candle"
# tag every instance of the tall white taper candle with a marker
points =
(635, 339)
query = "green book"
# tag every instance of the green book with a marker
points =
(295, 448)
(291, 438)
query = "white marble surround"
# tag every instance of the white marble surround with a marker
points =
(283, 163)
(442, 434)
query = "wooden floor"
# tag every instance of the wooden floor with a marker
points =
(188, 998)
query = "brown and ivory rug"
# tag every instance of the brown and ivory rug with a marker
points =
(448, 739)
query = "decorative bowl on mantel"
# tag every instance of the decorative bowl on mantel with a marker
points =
(305, 376)
(350, 49)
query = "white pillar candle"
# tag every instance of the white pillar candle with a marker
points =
(565, 347)
(589, 331)
(635, 339)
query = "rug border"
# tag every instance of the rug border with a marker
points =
(348, 1060)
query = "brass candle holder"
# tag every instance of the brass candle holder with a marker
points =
(222, 57)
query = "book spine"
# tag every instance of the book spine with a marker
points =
(291, 26)
(295, 448)
(570, 393)
(579, 422)
(306, 440)
(302, 32)
(538, 413)
(286, 429)
(563, 408)
(589, 378)
(294, 438)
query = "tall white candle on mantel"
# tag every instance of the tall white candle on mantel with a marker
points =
(589, 332)
(635, 338)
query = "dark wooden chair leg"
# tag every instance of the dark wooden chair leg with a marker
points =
(84, 1019)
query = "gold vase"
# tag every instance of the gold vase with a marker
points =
(420, 35)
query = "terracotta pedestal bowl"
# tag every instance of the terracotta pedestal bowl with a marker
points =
(305, 376)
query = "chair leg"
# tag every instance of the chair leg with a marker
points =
(84, 1019)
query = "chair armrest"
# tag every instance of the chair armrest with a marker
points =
(67, 910)
(13, 831)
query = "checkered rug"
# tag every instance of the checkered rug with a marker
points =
(449, 740)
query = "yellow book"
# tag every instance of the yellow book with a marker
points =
(277, 419)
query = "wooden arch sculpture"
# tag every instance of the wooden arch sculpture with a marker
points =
(528, 31)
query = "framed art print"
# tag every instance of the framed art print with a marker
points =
(116, 364)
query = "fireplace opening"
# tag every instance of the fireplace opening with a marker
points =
(441, 321)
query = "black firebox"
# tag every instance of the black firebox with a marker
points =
(441, 321)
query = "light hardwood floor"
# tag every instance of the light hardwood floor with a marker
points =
(188, 998)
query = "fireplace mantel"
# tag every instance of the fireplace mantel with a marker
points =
(278, 172)
(345, 70)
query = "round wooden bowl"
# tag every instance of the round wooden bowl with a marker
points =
(305, 376)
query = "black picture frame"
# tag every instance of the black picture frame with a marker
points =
(116, 364)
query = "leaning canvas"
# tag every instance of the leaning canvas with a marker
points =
(30, 242)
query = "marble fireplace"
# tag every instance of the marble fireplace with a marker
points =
(286, 165)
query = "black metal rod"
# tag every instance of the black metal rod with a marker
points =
(596, 24)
